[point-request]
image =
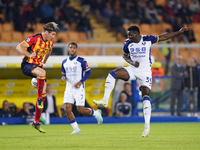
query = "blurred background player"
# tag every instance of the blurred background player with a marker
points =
(75, 71)
(191, 86)
(177, 85)
(36, 50)
(50, 103)
(136, 52)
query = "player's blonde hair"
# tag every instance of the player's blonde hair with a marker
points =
(51, 27)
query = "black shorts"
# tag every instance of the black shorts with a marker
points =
(27, 69)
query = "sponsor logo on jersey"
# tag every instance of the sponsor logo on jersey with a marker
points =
(28, 40)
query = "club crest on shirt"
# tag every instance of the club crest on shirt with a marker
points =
(143, 43)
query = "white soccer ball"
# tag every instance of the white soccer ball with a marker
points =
(34, 82)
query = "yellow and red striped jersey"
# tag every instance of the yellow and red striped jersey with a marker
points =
(36, 44)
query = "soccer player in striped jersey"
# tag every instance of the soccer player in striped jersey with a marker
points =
(36, 50)
(75, 71)
(137, 52)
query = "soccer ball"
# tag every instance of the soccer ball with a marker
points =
(34, 82)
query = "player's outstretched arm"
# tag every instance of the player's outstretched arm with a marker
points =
(22, 48)
(128, 60)
(167, 36)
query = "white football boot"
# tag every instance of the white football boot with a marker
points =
(146, 132)
(76, 131)
(99, 117)
(101, 102)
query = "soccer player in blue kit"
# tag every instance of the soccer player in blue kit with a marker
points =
(136, 51)
(75, 71)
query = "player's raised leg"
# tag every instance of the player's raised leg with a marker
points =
(119, 73)
(146, 110)
(109, 85)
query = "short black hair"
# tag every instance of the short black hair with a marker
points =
(134, 28)
(73, 43)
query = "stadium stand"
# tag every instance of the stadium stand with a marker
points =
(17, 36)
(7, 27)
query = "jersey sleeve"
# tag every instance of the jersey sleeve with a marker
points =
(125, 48)
(84, 65)
(153, 39)
(63, 69)
(30, 41)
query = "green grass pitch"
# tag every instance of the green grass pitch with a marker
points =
(163, 136)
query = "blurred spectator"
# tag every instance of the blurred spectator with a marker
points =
(194, 6)
(185, 13)
(190, 35)
(70, 14)
(47, 11)
(176, 26)
(140, 13)
(21, 21)
(50, 103)
(62, 25)
(166, 52)
(116, 24)
(4, 111)
(123, 108)
(129, 13)
(10, 11)
(168, 13)
(85, 5)
(26, 7)
(151, 13)
(197, 65)
(97, 7)
(196, 17)
(128, 92)
(85, 26)
(117, 6)
(35, 12)
(25, 111)
(191, 86)
(57, 15)
(177, 85)
(107, 13)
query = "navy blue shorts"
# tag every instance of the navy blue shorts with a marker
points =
(27, 68)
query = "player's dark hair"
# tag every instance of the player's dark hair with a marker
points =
(134, 28)
(73, 43)
(51, 27)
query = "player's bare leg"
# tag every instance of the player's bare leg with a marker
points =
(70, 116)
(110, 84)
(146, 110)
(91, 112)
